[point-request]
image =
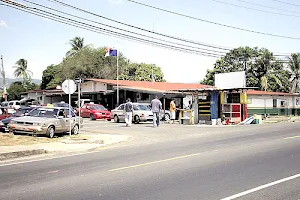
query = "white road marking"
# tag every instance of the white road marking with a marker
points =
(298, 136)
(261, 187)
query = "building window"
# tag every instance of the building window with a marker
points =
(233, 98)
(274, 103)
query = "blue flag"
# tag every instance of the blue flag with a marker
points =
(111, 52)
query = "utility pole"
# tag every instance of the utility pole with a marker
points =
(3, 77)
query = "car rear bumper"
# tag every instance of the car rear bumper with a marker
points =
(102, 117)
(145, 119)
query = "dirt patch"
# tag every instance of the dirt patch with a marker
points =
(13, 140)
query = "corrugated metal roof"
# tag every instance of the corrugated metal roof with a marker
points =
(159, 86)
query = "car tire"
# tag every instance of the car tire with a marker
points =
(167, 117)
(137, 119)
(109, 120)
(116, 119)
(50, 132)
(75, 130)
(92, 117)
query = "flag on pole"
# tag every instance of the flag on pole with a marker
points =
(111, 52)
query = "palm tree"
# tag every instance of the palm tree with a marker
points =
(21, 70)
(77, 45)
(294, 67)
(267, 63)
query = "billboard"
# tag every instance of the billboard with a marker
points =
(230, 80)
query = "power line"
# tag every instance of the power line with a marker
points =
(112, 33)
(120, 29)
(139, 28)
(283, 2)
(259, 10)
(128, 37)
(270, 7)
(212, 22)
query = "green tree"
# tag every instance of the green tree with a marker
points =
(21, 70)
(51, 77)
(77, 43)
(91, 63)
(142, 72)
(294, 67)
(263, 70)
(14, 90)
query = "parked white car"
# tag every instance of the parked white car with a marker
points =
(141, 113)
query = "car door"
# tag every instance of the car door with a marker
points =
(60, 126)
(83, 110)
(66, 128)
(121, 112)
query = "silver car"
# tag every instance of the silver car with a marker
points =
(141, 113)
(46, 120)
(164, 115)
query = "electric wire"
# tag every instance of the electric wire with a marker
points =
(120, 29)
(113, 33)
(211, 22)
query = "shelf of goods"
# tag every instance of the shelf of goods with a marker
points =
(204, 110)
(233, 111)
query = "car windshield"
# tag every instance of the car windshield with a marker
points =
(142, 107)
(21, 112)
(98, 107)
(44, 112)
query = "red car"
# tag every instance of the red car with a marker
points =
(94, 111)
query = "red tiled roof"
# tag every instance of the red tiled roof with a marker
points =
(257, 92)
(165, 86)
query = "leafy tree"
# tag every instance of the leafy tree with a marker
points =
(51, 77)
(142, 72)
(77, 44)
(92, 63)
(294, 67)
(21, 70)
(263, 70)
(14, 91)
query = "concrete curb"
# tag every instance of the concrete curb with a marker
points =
(66, 146)
(17, 154)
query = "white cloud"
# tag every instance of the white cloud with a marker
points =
(117, 1)
(3, 23)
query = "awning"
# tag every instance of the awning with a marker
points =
(146, 90)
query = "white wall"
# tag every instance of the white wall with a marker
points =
(92, 86)
(35, 95)
(258, 101)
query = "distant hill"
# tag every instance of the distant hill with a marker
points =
(11, 80)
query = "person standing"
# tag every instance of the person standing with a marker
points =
(173, 110)
(156, 106)
(128, 114)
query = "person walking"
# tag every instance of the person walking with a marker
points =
(128, 114)
(156, 106)
(173, 110)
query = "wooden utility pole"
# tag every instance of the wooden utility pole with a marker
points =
(4, 80)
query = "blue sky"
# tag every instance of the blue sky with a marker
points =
(43, 42)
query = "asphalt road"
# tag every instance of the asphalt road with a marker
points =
(257, 162)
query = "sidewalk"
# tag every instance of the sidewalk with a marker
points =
(64, 146)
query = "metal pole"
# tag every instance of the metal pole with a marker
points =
(79, 104)
(164, 107)
(118, 100)
(70, 128)
(4, 80)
